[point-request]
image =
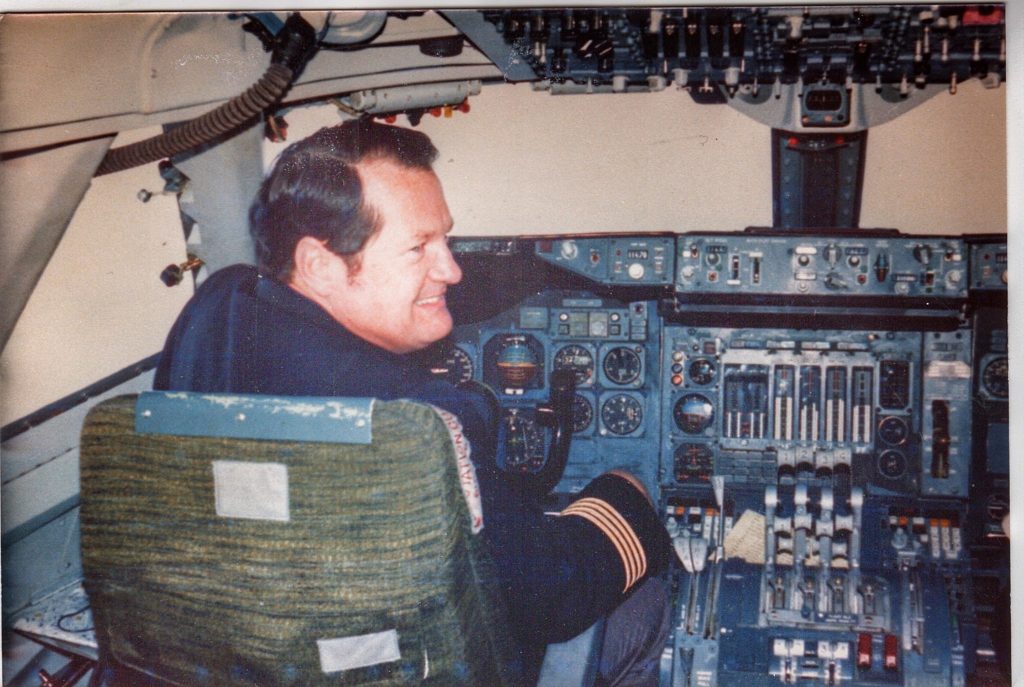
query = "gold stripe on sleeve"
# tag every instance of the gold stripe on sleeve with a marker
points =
(611, 523)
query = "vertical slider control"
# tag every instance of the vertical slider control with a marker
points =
(824, 528)
(783, 402)
(810, 402)
(771, 500)
(940, 439)
(835, 404)
(853, 590)
(802, 523)
(863, 379)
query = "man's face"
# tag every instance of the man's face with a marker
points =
(396, 298)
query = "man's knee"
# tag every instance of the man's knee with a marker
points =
(635, 636)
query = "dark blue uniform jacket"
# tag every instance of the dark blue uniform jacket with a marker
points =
(246, 333)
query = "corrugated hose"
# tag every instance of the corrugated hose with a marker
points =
(296, 43)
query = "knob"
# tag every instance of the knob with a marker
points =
(569, 250)
(636, 271)
(923, 253)
(173, 275)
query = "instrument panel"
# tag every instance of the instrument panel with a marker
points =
(832, 389)
(891, 406)
(850, 265)
(609, 345)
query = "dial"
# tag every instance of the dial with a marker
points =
(622, 414)
(892, 464)
(995, 378)
(516, 361)
(693, 413)
(578, 359)
(693, 462)
(702, 371)
(453, 365)
(523, 442)
(622, 365)
(893, 430)
(582, 414)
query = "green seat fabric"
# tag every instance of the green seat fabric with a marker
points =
(378, 543)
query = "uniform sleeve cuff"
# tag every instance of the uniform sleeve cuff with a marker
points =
(623, 515)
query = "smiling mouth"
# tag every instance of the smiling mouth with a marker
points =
(433, 300)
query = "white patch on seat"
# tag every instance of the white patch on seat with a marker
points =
(255, 491)
(467, 471)
(360, 651)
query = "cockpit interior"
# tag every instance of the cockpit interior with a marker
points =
(769, 246)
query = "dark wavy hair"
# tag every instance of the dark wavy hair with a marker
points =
(315, 190)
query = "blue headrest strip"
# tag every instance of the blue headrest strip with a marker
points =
(251, 416)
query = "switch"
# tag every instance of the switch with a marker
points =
(892, 648)
(832, 254)
(569, 250)
(882, 267)
(864, 650)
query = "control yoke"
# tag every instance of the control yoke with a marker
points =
(556, 414)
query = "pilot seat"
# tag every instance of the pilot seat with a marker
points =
(257, 540)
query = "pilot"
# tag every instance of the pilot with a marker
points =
(351, 234)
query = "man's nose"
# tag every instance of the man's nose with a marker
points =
(445, 268)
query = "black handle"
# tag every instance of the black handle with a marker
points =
(556, 414)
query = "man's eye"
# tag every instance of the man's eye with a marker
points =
(418, 249)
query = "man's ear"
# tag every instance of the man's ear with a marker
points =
(317, 270)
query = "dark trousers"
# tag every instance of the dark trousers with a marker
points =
(635, 636)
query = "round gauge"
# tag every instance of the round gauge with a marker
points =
(524, 443)
(693, 413)
(517, 364)
(622, 365)
(622, 414)
(578, 359)
(893, 430)
(453, 365)
(995, 378)
(693, 462)
(892, 464)
(582, 414)
(702, 371)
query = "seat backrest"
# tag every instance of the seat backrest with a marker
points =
(242, 559)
